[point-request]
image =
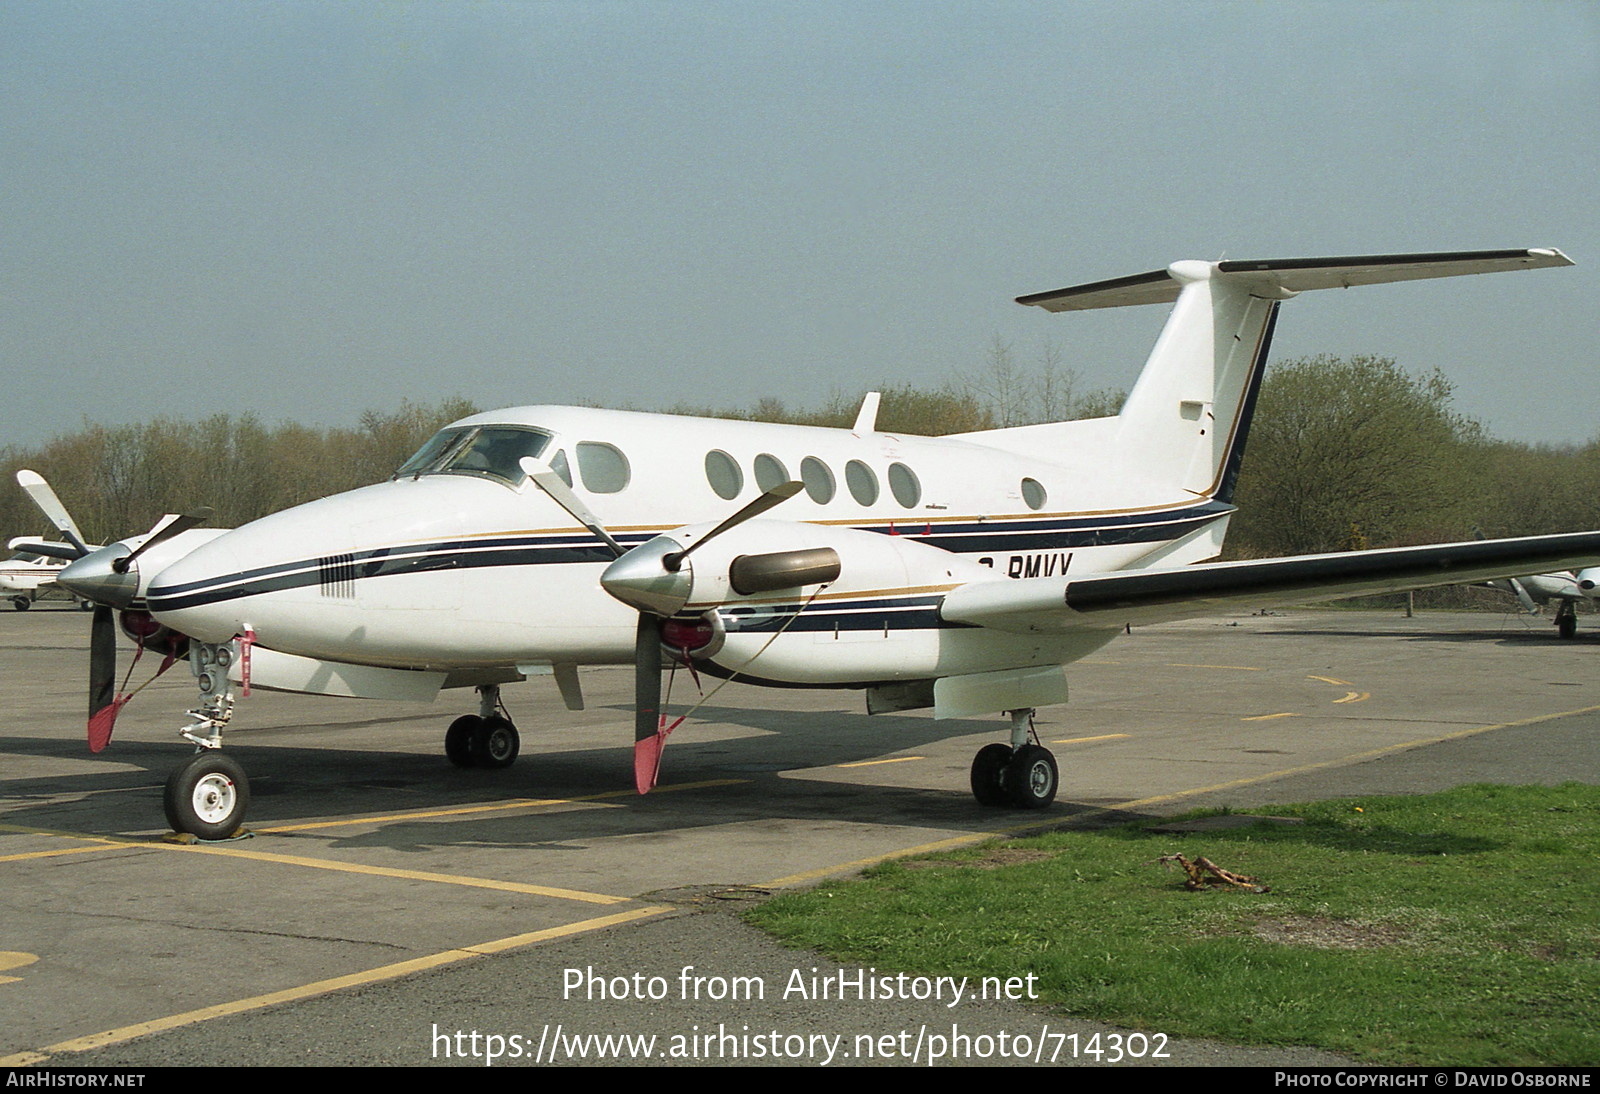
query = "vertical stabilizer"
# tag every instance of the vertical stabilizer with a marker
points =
(1186, 418)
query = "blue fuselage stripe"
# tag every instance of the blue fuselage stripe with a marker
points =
(967, 538)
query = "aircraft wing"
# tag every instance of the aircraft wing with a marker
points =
(47, 547)
(1057, 604)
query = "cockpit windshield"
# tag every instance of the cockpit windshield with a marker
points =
(492, 450)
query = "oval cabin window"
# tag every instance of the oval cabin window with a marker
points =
(722, 472)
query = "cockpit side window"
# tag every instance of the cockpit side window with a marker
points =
(492, 450)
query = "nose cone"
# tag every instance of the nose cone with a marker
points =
(95, 577)
(641, 579)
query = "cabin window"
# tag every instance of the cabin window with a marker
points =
(722, 472)
(818, 479)
(904, 486)
(491, 450)
(1033, 493)
(862, 481)
(602, 467)
(770, 472)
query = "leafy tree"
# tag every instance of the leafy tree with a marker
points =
(1346, 450)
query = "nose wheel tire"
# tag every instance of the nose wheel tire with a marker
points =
(208, 796)
(1030, 778)
(495, 743)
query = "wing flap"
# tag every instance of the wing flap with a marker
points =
(1153, 596)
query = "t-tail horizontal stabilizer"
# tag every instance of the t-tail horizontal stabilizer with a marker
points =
(1293, 275)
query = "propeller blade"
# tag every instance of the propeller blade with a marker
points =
(169, 526)
(1521, 592)
(648, 740)
(45, 498)
(103, 705)
(776, 496)
(553, 484)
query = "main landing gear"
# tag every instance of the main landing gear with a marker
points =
(1021, 775)
(485, 739)
(1567, 619)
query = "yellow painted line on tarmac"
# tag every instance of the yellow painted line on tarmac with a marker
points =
(55, 854)
(1086, 740)
(14, 959)
(1235, 668)
(1269, 717)
(324, 987)
(1331, 680)
(1040, 821)
(1355, 697)
(492, 807)
(421, 814)
(407, 875)
(1357, 757)
(107, 843)
(874, 763)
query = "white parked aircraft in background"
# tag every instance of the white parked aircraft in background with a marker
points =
(25, 575)
(958, 572)
(1566, 589)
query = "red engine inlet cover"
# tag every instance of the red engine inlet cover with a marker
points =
(680, 635)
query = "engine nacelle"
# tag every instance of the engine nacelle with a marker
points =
(769, 561)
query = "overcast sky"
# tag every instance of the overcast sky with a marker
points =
(310, 209)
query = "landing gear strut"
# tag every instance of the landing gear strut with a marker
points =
(1022, 775)
(486, 739)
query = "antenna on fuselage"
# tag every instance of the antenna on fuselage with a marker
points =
(867, 416)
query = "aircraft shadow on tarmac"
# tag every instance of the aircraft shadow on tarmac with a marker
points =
(291, 784)
(295, 785)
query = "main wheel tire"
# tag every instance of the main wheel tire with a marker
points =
(1567, 626)
(1030, 778)
(21, 603)
(988, 766)
(458, 740)
(495, 743)
(208, 796)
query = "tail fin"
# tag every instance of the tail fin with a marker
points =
(1187, 417)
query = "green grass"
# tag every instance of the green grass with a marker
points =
(1458, 928)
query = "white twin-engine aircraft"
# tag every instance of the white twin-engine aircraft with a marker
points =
(25, 575)
(1566, 589)
(959, 572)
